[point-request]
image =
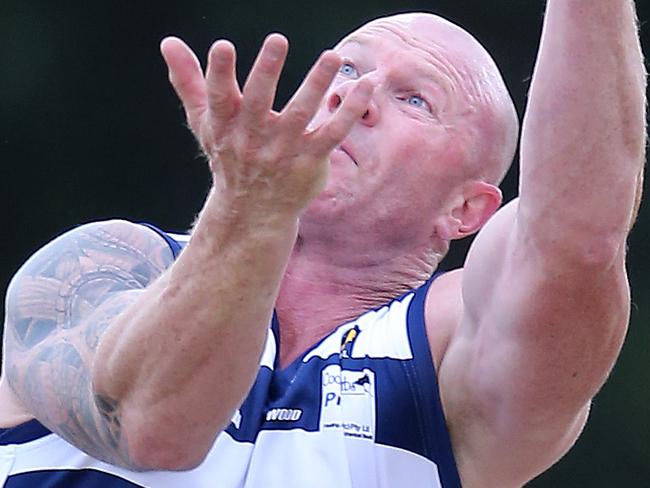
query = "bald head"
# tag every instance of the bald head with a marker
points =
(486, 116)
(439, 129)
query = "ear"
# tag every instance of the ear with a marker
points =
(478, 202)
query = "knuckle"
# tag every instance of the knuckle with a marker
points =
(209, 138)
(224, 154)
(247, 146)
(299, 115)
(267, 68)
(254, 104)
(218, 102)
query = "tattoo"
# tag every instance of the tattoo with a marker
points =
(31, 332)
(58, 306)
(110, 411)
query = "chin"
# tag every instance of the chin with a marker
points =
(328, 205)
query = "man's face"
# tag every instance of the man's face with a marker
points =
(404, 160)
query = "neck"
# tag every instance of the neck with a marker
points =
(320, 292)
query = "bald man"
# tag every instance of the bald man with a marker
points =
(300, 336)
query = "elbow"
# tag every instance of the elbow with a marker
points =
(600, 252)
(588, 253)
(174, 443)
(151, 453)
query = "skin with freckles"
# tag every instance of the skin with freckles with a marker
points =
(346, 198)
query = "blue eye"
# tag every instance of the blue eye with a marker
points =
(349, 70)
(418, 101)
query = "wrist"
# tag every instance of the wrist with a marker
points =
(238, 217)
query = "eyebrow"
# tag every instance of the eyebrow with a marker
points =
(352, 40)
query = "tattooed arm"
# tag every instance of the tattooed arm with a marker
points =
(140, 366)
(58, 306)
(137, 365)
(178, 353)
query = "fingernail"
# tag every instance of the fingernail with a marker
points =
(222, 44)
(275, 53)
(276, 44)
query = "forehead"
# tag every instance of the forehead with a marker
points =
(437, 45)
(420, 42)
(423, 35)
(426, 32)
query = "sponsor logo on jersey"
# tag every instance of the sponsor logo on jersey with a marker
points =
(348, 401)
(283, 415)
(349, 383)
(347, 341)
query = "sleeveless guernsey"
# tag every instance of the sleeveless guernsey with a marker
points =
(359, 409)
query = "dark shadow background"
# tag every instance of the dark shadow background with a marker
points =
(90, 129)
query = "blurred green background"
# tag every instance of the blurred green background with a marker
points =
(90, 129)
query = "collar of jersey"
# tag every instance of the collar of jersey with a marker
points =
(25, 432)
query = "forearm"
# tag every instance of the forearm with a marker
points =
(185, 355)
(583, 138)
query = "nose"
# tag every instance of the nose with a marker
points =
(338, 94)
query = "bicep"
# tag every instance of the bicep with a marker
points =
(58, 306)
(539, 322)
(535, 342)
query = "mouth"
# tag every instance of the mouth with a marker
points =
(346, 151)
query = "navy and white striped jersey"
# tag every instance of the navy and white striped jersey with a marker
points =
(360, 408)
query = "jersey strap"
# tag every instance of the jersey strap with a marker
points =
(425, 388)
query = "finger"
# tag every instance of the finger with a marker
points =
(186, 77)
(305, 103)
(223, 90)
(331, 133)
(262, 81)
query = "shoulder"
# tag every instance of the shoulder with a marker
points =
(443, 311)
(89, 262)
(69, 277)
(115, 233)
(97, 243)
(71, 274)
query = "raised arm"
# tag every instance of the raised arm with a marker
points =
(180, 354)
(544, 290)
(584, 137)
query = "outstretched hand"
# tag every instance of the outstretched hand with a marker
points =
(261, 158)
